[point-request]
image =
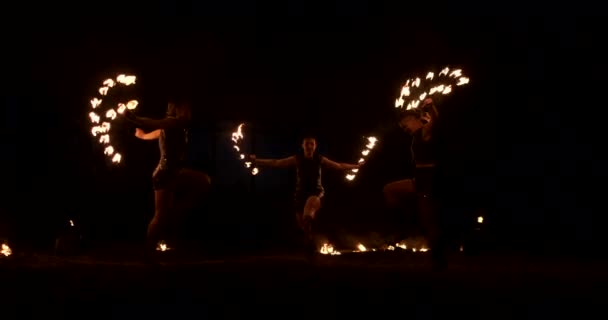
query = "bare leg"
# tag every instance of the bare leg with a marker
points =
(428, 216)
(313, 204)
(191, 187)
(163, 201)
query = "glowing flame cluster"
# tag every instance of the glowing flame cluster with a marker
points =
(371, 143)
(237, 138)
(416, 90)
(101, 119)
(6, 250)
(328, 249)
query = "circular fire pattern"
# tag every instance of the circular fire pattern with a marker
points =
(101, 119)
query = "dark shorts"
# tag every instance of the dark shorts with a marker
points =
(301, 197)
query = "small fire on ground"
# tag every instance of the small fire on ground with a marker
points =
(162, 246)
(329, 249)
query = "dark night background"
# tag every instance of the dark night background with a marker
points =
(521, 140)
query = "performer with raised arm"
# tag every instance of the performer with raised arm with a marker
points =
(421, 123)
(309, 189)
(170, 173)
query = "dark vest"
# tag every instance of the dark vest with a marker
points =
(308, 173)
(173, 145)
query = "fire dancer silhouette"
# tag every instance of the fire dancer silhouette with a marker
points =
(175, 187)
(309, 189)
(421, 123)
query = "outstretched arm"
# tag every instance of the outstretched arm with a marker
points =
(337, 165)
(147, 136)
(154, 124)
(275, 163)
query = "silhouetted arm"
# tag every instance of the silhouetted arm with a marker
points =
(153, 124)
(276, 163)
(337, 165)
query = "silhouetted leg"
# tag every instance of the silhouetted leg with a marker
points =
(191, 188)
(396, 194)
(163, 201)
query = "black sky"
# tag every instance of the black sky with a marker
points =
(297, 67)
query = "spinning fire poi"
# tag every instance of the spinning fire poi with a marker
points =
(101, 119)
(237, 138)
(371, 143)
(415, 90)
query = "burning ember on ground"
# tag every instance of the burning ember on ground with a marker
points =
(162, 246)
(329, 249)
(6, 250)
(371, 143)
(237, 139)
(109, 114)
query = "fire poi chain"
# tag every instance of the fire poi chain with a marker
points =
(416, 91)
(103, 129)
(237, 139)
(371, 143)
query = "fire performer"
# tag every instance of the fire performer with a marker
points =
(175, 187)
(421, 123)
(309, 190)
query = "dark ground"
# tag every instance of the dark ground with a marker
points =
(117, 283)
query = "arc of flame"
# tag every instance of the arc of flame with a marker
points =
(236, 137)
(429, 76)
(365, 152)
(444, 72)
(111, 113)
